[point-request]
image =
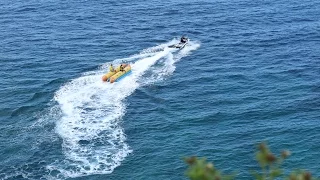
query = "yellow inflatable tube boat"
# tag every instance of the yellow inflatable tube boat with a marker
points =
(121, 74)
(109, 74)
(117, 74)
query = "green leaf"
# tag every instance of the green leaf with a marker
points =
(275, 173)
(257, 175)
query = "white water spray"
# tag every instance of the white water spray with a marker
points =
(93, 140)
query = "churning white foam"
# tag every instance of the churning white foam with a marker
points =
(93, 140)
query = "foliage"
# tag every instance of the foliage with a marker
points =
(200, 169)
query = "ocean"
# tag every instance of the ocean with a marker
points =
(249, 74)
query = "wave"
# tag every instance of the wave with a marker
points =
(90, 126)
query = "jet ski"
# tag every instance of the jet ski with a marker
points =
(183, 42)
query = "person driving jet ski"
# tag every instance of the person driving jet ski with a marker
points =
(183, 39)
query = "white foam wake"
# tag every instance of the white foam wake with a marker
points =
(93, 140)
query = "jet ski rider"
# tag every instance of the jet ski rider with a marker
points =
(183, 39)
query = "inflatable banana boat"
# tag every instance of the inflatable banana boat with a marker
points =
(117, 74)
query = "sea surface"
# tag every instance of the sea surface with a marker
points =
(250, 74)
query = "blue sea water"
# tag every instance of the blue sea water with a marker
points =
(250, 73)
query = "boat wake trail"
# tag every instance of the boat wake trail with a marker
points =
(93, 140)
